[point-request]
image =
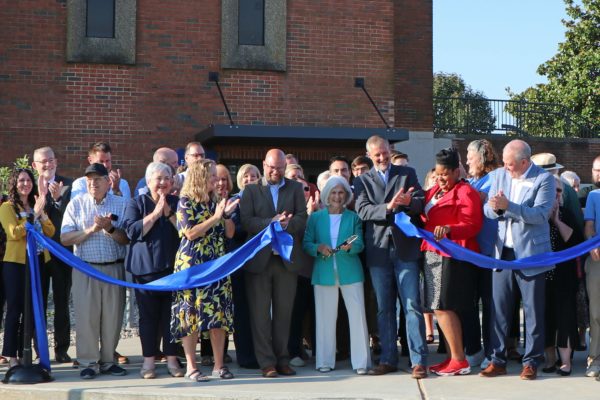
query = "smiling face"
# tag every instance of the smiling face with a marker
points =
(249, 177)
(45, 163)
(24, 184)
(446, 177)
(474, 163)
(160, 183)
(340, 168)
(97, 185)
(515, 167)
(222, 185)
(379, 153)
(337, 197)
(274, 166)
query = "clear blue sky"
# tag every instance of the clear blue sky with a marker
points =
(494, 44)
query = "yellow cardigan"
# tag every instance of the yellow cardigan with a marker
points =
(16, 235)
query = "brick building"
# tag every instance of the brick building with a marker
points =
(64, 84)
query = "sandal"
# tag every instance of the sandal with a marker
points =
(429, 339)
(195, 376)
(222, 373)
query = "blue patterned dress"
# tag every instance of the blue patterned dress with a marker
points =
(207, 307)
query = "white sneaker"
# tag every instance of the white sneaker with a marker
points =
(297, 362)
(361, 371)
(324, 369)
(593, 371)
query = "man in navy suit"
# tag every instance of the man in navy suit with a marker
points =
(392, 258)
(520, 198)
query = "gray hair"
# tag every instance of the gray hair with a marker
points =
(519, 148)
(155, 167)
(570, 178)
(322, 179)
(332, 183)
(376, 140)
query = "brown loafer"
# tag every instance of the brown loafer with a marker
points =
(419, 372)
(285, 370)
(269, 372)
(529, 373)
(382, 369)
(493, 371)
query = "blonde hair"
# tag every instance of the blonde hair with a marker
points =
(229, 181)
(244, 169)
(294, 167)
(195, 185)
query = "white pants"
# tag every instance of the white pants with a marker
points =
(326, 306)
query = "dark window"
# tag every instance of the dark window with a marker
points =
(100, 18)
(251, 22)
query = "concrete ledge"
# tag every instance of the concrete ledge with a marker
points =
(309, 384)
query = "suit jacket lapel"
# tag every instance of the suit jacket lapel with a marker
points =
(377, 184)
(390, 184)
(266, 193)
(527, 184)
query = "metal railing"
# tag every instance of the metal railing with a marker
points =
(480, 116)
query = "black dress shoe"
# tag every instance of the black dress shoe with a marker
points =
(62, 358)
(549, 370)
(562, 372)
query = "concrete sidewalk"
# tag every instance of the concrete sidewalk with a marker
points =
(342, 383)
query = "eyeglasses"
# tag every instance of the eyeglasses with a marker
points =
(275, 167)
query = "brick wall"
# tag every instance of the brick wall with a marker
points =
(166, 98)
(575, 154)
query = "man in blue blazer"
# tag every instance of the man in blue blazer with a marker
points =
(520, 198)
(392, 258)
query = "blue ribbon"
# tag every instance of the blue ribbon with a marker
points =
(195, 276)
(460, 253)
(36, 299)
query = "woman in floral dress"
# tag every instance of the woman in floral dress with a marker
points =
(203, 221)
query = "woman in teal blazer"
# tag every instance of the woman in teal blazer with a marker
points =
(337, 267)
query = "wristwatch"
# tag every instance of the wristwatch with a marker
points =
(111, 230)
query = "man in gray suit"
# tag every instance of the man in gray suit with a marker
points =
(59, 194)
(521, 197)
(392, 258)
(271, 281)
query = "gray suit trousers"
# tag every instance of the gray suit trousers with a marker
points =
(271, 295)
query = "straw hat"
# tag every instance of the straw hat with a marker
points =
(546, 161)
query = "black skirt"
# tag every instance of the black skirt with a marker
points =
(450, 284)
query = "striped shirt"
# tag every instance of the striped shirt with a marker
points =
(99, 247)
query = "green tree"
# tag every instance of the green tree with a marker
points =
(573, 88)
(458, 108)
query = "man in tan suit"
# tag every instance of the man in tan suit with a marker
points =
(271, 281)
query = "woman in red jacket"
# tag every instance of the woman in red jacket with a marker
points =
(452, 210)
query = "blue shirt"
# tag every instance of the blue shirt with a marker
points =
(80, 187)
(592, 209)
(489, 231)
(275, 192)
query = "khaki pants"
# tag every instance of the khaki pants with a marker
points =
(592, 276)
(98, 315)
